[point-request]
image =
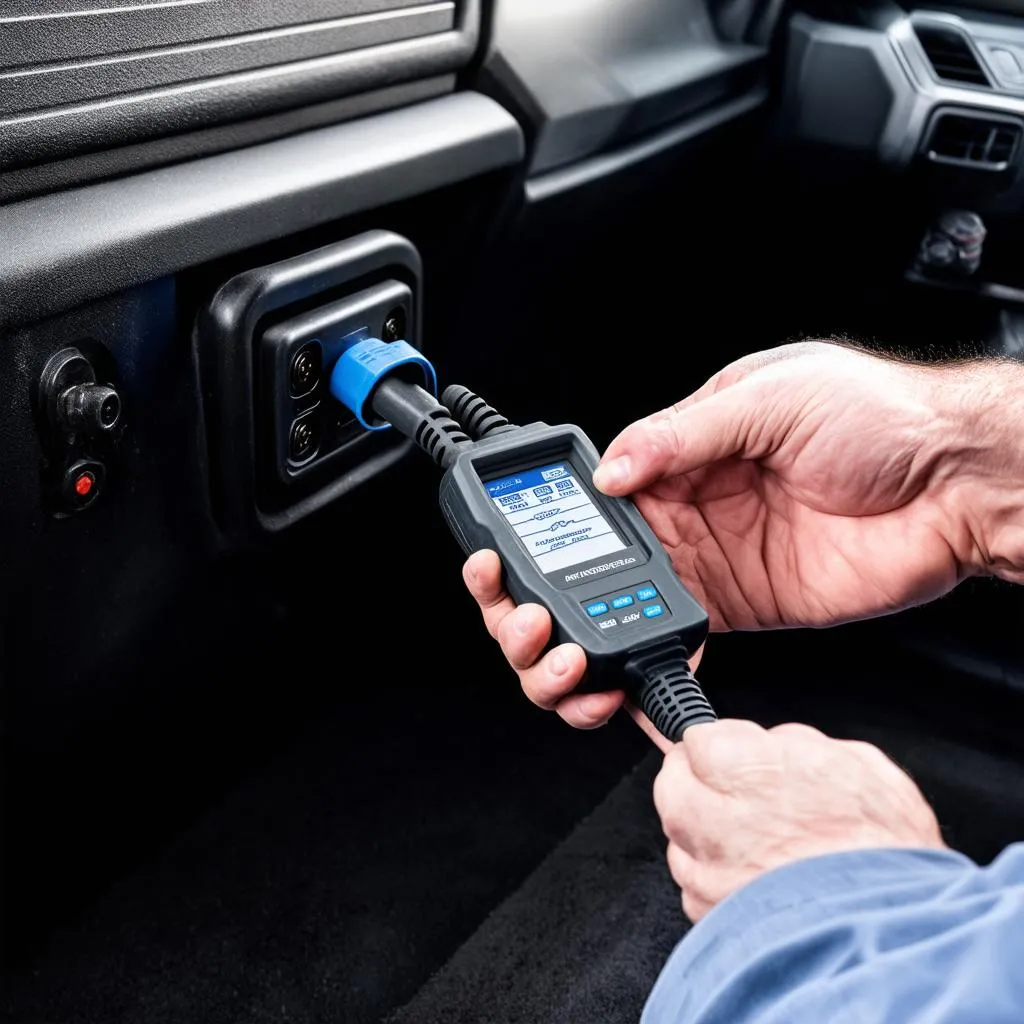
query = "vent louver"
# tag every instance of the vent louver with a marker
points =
(950, 55)
(974, 142)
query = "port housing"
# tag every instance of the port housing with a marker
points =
(263, 476)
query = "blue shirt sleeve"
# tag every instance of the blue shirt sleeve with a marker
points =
(901, 936)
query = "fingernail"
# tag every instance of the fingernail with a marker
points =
(523, 621)
(614, 474)
(559, 664)
(592, 706)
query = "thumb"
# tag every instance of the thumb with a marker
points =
(680, 440)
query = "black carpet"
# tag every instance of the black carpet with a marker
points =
(584, 938)
(329, 887)
(440, 851)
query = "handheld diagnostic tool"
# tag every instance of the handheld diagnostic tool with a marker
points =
(525, 492)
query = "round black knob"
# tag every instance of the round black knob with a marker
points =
(89, 409)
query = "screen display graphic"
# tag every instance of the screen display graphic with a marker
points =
(553, 516)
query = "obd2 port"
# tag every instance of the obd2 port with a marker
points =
(305, 425)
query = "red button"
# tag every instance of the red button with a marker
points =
(84, 484)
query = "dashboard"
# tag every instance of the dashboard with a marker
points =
(925, 85)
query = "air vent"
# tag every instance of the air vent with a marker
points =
(951, 55)
(967, 141)
(78, 76)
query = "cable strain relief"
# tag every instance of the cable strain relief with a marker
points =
(418, 415)
(441, 437)
(664, 688)
(479, 419)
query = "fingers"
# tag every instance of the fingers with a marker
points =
(688, 438)
(482, 575)
(685, 873)
(729, 753)
(589, 710)
(675, 788)
(555, 676)
(736, 800)
(680, 866)
(550, 682)
(716, 422)
(522, 633)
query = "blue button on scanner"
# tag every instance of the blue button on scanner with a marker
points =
(646, 594)
(652, 611)
(597, 608)
(622, 601)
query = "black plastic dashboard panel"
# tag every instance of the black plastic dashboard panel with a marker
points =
(63, 249)
(79, 76)
(605, 165)
(593, 77)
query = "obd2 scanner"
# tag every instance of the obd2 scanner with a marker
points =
(525, 492)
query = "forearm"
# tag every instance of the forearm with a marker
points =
(865, 935)
(980, 477)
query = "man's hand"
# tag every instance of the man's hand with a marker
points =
(736, 801)
(804, 486)
(523, 633)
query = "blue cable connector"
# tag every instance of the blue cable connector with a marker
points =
(361, 368)
(390, 384)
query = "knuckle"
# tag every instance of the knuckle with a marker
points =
(872, 754)
(667, 786)
(513, 646)
(571, 716)
(673, 825)
(718, 749)
(536, 693)
(485, 590)
(501, 634)
(680, 865)
(519, 658)
(661, 439)
(795, 729)
(804, 748)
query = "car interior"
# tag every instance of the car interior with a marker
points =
(261, 760)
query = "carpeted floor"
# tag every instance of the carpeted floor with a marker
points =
(429, 860)
(332, 884)
(582, 940)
